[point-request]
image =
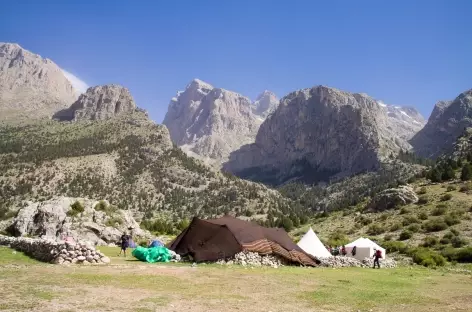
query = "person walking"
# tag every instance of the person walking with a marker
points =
(124, 243)
(377, 256)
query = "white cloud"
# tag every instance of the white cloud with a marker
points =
(79, 85)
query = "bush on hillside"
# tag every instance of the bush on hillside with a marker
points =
(413, 228)
(435, 225)
(337, 239)
(450, 188)
(439, 210)
(375, 229)
(423, 216)
(446, 197)
(404, 210)
(395, 227)
(466, 173)
(422, 200)
(452, 219)
(463, 255)
(427, 257)
(465, 187)
(430, 241)
(101, 206)
(422, 191)
(410, 220)
(454, 232)
(388, 237)
(76, 209)
(395, 246)
(383, 217)
(458, 242)
(405, 235)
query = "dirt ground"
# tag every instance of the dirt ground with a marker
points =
(131, 285)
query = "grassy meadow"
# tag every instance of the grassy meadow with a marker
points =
(130, 285)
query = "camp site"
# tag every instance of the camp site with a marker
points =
(235, 156)
(224, 261)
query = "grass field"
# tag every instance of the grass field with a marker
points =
(129, 285)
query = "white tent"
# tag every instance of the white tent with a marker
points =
(312, 245)
(365, 248)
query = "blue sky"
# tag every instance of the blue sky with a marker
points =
(401, 52)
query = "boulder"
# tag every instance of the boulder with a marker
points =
(392, 198)
(51, 219)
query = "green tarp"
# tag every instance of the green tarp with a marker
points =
(153, 254)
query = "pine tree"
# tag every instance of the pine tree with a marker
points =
(466, 173)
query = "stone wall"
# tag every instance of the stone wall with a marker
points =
(55, 252)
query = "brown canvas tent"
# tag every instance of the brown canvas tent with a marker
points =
(211, 240)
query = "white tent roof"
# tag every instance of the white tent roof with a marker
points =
(312, 245)
(364, 242)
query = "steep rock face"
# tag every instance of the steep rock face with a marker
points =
(31, 85)
(317, 133)
(210, 122)
(100, 103)
(265, 104)
(447, 122)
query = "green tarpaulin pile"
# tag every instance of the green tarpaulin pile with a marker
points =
(153, 254)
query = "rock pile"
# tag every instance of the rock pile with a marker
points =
(341, 262)
(55, 252)
(385, 263)
(246, 258)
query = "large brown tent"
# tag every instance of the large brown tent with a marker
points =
(211, 240)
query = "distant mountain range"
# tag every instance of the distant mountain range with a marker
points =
(313, 135)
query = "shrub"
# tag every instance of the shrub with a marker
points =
(446, 197)
(450, 188)
(405, 235)
(413, 228)
(458, 242)
(337, 239)
(383, 217)
(466, 187)
(427, 258)
(423, 200)
(430, 241)
(101, 206)
(392, 246)
(434, 225)
(388, 237)
(445, 241)
(422, 191)
(423, 216)
(410, 220)
(404, 210)
(460, 255)
(76, 209)
(375, 229)
(439, 210)
(451, 219)
(466, 173)
(395, 227)
(113, 221)
(454, 232)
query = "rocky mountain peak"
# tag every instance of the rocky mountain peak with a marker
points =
(265, 104)
(446, 123)
(316, 134)
(30, 85)
(100, 103)
(209, 122)
(405, 120)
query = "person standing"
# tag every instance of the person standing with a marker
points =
(124, 243)
(377, 256)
